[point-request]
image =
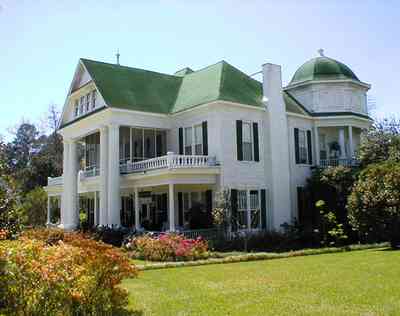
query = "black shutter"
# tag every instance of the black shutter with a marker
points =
(309, 144)
(180, 208)
(180, 141)
(234, 207)
(239, 140)
(263, 209)
(209, 207)
(205, 138)
(296, 145)
(255, 142)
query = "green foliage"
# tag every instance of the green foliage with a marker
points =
(381, 143)
(332, 186)
(75, 276)
(332, 232)
(34, 208)
(374, 204)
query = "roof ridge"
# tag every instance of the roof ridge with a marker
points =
(127, 67)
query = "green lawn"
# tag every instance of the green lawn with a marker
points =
(351, 283)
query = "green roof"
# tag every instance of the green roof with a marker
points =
(323, 68)
(143, 90)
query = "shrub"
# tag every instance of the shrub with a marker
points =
(33, 210)
(111, 235)
(72, 276)
(168, 247)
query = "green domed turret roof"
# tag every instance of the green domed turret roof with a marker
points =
(323, 68)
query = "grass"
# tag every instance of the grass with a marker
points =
(347, 283)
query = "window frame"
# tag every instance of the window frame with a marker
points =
(194, 142)
(93, 98)
(248, 210)
(304, 132)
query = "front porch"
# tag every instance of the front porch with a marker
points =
(336, 145)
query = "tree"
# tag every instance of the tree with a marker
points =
(34, 208)
(381, 143)
(374, 203)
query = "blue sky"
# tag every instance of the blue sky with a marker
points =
(41, 42)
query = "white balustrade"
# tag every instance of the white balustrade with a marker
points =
(170, 161)
(55, 181)
(335, 162)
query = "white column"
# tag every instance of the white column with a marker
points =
(96, 219)
(137, 213)
(351, 144)
(171, 198)
(69, 201)
(342, 144)
(114, 197)
(65, 193)
(103, 218)
(73, 168)
(317, 152)
(48, 209)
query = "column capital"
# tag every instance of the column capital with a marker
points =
(113, 126)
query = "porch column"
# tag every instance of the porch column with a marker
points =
(171, 198)
(103, 218)
(114, 198)
(317, 152)
(69, 212)
(351, 145)
(96, 219)
(48, 209)
(137, 213)
(342, 144)
(65, 193)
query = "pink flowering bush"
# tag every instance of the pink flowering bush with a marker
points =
(168, 247)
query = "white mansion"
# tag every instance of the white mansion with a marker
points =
(145, 149)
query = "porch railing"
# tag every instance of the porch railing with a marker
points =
(55, 181)
(170, 161)
(346, 162)
(208, 234)
(89, 172)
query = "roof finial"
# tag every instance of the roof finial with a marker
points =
(117, 54)
(321, 52)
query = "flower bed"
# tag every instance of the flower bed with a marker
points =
(49, 272)
(167, 247)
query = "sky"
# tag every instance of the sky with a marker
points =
(42, 41)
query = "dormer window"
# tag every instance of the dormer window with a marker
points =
(81, 106)
(88, 102)
(93, 99)
(76, 108)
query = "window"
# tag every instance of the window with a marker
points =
(242, 209)
(198, 140)
(147, 143)
(255, 211)
(137, 144)
(92, 151)
(186, 207)
(94, 99)
(302, 147)
(322, 147)
(81, 107)
(124, 144)
(76, 108)
(247, 142)
(188, 141)
(88, 102)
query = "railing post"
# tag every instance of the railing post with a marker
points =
(170, 156)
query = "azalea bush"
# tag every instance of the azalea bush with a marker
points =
(49, 273)
(167, 247)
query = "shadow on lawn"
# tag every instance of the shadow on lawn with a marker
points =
(389, 249)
